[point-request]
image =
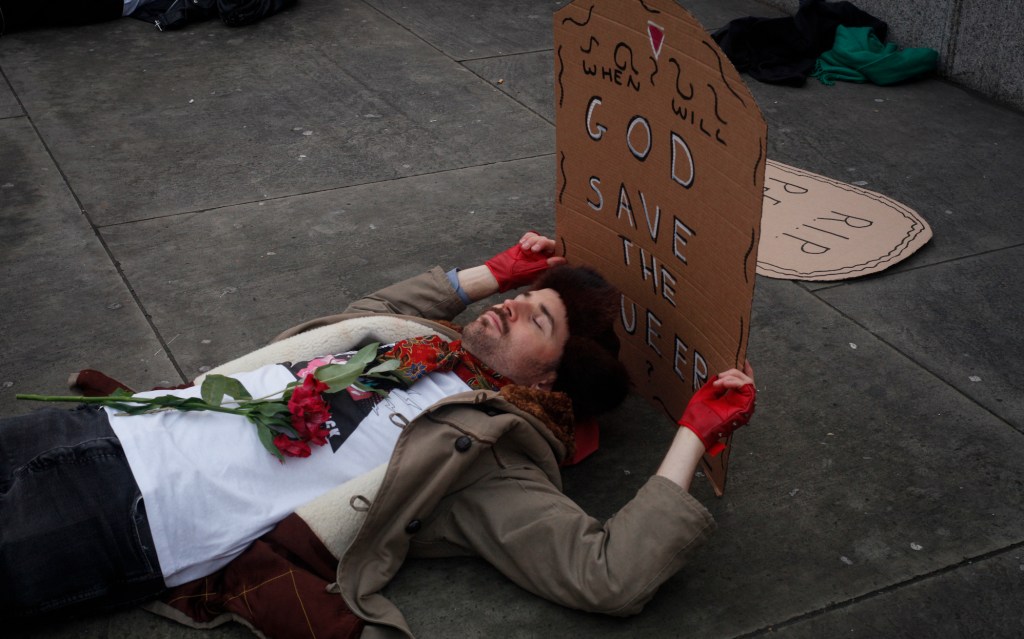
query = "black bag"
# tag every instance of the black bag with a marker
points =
(168, 15)
(236, 13)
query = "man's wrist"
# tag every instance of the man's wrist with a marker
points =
(476, 283)
(453, 279)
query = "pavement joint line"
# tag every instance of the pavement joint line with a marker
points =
(17, 98)
(410, 31)
(948, 260)
(505, 55)
(910, 359)
(506, 93)
(460, 62)
(328, 190)
(892, 588)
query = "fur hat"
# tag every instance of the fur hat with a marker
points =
(589, 371)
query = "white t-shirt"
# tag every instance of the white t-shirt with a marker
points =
(210, 486)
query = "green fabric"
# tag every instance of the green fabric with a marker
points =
(859, 56)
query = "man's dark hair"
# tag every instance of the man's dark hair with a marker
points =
(589, 372)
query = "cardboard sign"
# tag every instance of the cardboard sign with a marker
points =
(816, 228)
(661, 155)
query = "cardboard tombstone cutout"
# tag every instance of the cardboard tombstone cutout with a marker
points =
(661, 156)
(819, 229)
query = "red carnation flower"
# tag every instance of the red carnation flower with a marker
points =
(291, 447)
(309, 411)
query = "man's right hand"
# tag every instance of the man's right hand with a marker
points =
(523, 263)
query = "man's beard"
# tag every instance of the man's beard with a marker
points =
(484, 346)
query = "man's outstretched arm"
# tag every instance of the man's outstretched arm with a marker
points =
(435, 295)
(515, 267)
(726, 404)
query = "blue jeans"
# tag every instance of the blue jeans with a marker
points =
(73, 529)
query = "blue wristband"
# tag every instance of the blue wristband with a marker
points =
(453, 279)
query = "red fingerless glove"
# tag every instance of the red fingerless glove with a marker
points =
(515, 267)
(714, 413)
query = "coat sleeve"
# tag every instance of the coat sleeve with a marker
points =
(429, 295)
(545, 543)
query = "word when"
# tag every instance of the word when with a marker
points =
(622, 60)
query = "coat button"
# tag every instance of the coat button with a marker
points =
(463, 443)
(413, 526)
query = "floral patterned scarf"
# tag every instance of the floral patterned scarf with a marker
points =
(420, 356)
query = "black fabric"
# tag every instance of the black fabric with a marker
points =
(74, 535)
(783, 50)
(168, 15)
(236, 13)
(16, 15)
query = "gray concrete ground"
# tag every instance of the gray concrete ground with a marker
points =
(171, 200)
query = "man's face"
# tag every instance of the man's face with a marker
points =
(521, 338)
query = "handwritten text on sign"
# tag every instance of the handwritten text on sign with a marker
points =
(661, 164)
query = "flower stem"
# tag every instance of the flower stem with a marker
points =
(159, 402)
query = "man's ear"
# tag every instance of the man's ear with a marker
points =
(545, 384)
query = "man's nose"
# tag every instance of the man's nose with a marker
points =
(511, 308)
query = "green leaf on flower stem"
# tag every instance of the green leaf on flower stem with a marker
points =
(267, 439)
(188, 403)
(129, 409)
(269, 409)
(340, 376)
(384, 367)
(364, 355)
(282, 427)
(143, 405)
(215, 387)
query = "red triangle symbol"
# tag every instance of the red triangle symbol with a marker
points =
(657, 35)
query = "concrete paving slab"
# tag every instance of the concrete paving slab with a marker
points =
(480, 29)
(329, 95)
(65, 307)
(960, 320)
(223, 283)
(930, 145)
(527, 78)
(9, 106)
(957, 603)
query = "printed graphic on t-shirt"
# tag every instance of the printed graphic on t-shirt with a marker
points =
(350, 408)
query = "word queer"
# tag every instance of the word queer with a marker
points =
(655, 341)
